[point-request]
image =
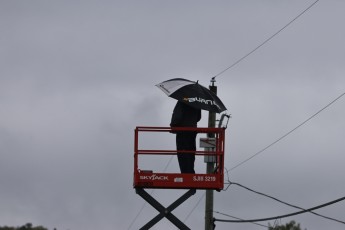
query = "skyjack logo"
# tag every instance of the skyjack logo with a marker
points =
(200, 100)
(154, 177)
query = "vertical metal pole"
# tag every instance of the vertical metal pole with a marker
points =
(210, 169)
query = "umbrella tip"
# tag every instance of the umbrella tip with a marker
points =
(197, 82)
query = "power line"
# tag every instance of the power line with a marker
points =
(288, 133)
(283, 202)
(267, 40)
(144, 204)
(138, 214)
(239, 219)
(282, 216)
(196, 205)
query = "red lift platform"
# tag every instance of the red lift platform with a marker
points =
(150, 179)
(146, 178)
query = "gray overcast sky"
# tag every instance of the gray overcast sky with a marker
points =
(76, 77)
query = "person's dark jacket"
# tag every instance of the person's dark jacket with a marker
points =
(185, 116)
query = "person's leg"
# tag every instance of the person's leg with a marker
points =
(191, 146)
(180, 146)
(186, 141)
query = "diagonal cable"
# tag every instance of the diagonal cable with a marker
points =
(267, 40)
(288, 133)
(283, 216)
(239, 219)
(151, 193)
(291, 205)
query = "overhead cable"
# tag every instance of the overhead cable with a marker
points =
(262, 225)
(267, 40)
(144, 204)
(288, 133)
(283, 202)
(196, 205)
(282, 216)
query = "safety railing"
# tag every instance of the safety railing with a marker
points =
(146, 178)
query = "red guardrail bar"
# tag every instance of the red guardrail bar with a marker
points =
(150, 179)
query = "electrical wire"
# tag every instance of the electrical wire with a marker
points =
(195, 206)
(283, 202)
(283, 216)
(288, 133)
(265, 226)
(267, 40)
(152, 192)
(138, 214)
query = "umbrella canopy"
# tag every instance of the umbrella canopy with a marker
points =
(193, 94)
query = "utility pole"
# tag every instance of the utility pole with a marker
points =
(210, 167)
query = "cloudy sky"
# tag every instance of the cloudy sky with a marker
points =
(77, 77)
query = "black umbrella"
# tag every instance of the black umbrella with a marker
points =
(193, 94)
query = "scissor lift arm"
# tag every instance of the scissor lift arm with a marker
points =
(148, 179)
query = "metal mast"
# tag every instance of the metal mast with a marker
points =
(210, 167)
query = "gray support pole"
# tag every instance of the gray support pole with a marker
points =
(210, 169)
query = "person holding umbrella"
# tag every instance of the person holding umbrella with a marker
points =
(191, 99)
(185, 116)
